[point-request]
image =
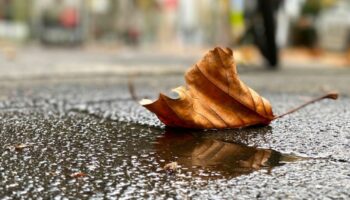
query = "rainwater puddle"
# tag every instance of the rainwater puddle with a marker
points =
(81, 156)
(206, 157)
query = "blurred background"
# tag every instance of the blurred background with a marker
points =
(63, 36)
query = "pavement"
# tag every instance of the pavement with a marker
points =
(81, 137)
(39, 62)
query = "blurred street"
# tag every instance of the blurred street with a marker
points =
(39, 62)
(35, 63)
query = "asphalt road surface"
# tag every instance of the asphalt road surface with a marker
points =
(86, 138)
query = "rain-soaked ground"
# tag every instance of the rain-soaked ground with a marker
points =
(69, 140)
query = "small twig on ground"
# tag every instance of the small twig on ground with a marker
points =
(131, 88)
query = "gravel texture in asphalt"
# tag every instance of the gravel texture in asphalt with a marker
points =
(77, 139)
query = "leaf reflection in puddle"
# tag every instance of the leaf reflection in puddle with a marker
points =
(195, 152)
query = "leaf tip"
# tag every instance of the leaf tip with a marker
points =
(144, 102)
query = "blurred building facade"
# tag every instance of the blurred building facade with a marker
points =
(164, 22)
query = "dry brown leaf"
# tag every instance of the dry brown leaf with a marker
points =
(214, 98)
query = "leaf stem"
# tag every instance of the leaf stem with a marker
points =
(331, 95)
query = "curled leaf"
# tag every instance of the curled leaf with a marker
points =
(215, 97)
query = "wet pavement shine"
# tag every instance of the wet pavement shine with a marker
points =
(74, 140)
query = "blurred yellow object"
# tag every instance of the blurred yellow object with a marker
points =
(247, 55)
(8, 51)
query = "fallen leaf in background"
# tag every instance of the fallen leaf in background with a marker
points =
(171, 166)
(19, 147)
(78, 175)
(16, 147)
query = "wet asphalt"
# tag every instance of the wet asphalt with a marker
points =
(86, 138)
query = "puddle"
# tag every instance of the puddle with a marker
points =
(120, 160)
(195, 152)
